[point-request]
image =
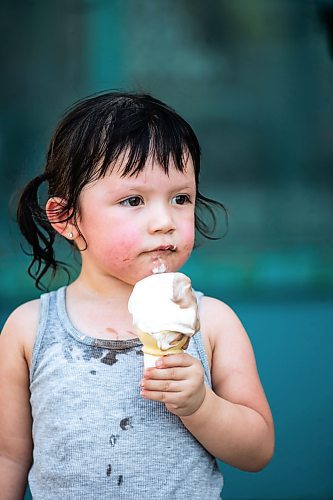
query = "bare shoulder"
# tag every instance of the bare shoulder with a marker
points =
(228, 340)
(219, 322)
(212, 305)
(22, 319)
(20, 329)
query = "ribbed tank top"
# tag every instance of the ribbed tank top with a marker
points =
(94, 436)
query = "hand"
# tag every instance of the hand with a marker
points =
(177, 381)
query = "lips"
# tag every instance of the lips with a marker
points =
(164, 248)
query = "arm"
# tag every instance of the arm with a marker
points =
(15, 413)
(233, 421)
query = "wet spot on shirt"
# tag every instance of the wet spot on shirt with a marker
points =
(82, 352)
(120, 480)
(93, 352)
(109, 470)
(93, 372)
(113, 439)
(126, 423)
(110, 358)
(62, 453)
(67, 351)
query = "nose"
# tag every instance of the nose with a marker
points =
(161, 219)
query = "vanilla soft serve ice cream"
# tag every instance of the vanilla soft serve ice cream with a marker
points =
(165, 314)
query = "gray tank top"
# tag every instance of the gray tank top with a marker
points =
(94, 436)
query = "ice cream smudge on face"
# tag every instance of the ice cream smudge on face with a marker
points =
(159, 266)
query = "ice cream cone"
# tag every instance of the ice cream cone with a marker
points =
(165, 316)
(151, 349)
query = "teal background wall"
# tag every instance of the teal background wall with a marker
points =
(255, 79)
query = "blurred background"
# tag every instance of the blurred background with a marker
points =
(255, 80)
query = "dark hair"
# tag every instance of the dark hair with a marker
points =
(91, 136)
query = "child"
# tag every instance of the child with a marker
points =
(78, 413)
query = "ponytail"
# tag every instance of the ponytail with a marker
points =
(37, 230)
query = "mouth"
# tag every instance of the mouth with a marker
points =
(164, 248)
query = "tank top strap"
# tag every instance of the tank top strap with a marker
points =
(200, 347)
(47, 303)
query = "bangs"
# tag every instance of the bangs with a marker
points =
(134, 128)
(151, 144)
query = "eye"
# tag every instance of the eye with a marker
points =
(132, 201)
(181, 199)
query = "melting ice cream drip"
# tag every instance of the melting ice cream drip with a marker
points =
(159, 266)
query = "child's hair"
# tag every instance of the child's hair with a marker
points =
(91, 137)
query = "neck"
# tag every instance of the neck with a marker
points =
(100, 287)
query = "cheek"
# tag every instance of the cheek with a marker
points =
(186, 243)
(188, 234)
(125, 241)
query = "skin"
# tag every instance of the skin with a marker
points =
(130, 224)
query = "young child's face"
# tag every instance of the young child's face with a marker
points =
(134, 224)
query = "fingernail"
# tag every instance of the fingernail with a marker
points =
(159, 364)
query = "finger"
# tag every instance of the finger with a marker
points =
(161, 385)
(163, 397)
(165, 374)
(172, 360)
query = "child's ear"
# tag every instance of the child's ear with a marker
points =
(57, 218)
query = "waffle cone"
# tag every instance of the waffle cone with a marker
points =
(150, 345)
